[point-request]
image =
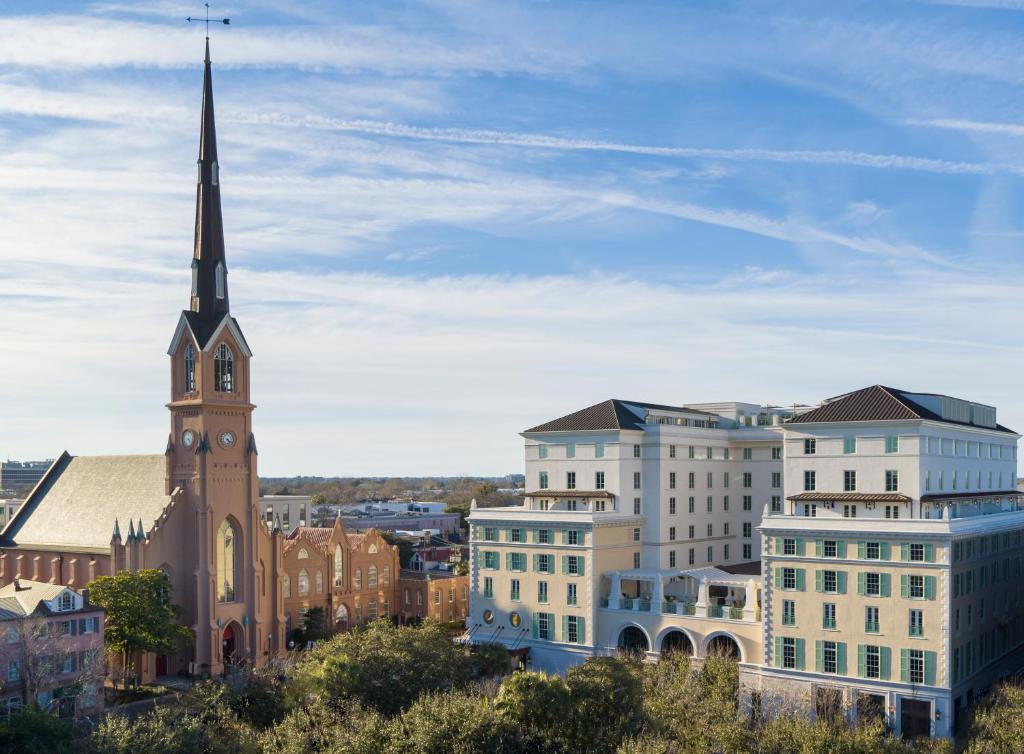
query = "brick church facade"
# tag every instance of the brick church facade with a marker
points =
(192, 511)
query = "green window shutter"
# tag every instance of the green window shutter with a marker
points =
(508, 561)
(819, 547)
(818, 652)
(841, 548)
(861, 548)
(536, 562)
(860, 660)
(565, 564)
(904, 665)
(929, 587)
(778, 577)
(565, 628)
(904, 585)
(536, 628)
(581, 629)
(817, 581)
(508, 535)
(778, 651)
(841, 658)
(860, 583)
(799, 654)
(929, 553)
(580, 565)
(799, 546)
(801, 584)
(905, 551)
(885, 551)
(565, 536)
(884, 661)
(885, 584)
(841, 582)
(929, 668)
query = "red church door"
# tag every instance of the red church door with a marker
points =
(228, 644)
(161, 665)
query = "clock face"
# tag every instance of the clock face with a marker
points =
(188, 437)
(226, 439)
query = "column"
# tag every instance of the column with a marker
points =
(750, 604)
(701, 608)
(615, 593)
(659, 594)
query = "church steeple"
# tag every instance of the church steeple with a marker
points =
(209, 268)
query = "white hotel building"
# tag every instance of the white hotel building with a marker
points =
(865, 553)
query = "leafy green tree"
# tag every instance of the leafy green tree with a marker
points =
(381, 666)
(314, 624)
(260, 701)
(316, 728)
(606, 695)
(140, 616)
(996, 725)
(489, 659)
(538, 705)
(462, 568)
(33, 732)
(202, 721)
(456, 722)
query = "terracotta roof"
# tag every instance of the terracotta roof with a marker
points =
(318, 536)
(875, 403)
(570, 493)
(967, 495)
(614, 413)
(851, 497)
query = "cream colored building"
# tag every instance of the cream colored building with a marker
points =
(892, 575)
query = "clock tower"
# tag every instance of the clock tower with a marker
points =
(229, 563)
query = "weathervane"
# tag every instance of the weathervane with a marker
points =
(224, 21)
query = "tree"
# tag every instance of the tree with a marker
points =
(317, 499)
(260, 701)
(462, 568)
(456, 722)
(319, 728)
(996, 724)
(314, 624)
(140, 615)
(381, 666)
(405, 547)
(489, 659)
(33, 732)
(606, 696)
(538, 705)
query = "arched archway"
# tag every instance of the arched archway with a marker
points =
(723, 644)
(341, 619)
(633, 639)
(232, 644)
(675, 640)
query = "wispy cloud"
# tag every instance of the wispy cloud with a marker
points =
(1008, 129)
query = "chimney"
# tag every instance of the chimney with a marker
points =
(85, 598)
(17, 585)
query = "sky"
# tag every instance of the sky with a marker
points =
(447, 221)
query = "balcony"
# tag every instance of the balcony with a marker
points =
(700, 593)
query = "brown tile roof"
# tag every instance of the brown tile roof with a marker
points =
(318, 536)
(875, 403)
(850, 497)
(610, 414)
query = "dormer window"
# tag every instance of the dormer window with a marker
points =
(223, 369)
(220, 278)
(190, 369)
(67, 602)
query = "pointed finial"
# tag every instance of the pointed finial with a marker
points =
(277, 523)
(207, 58)
(131, 531)
(116, 536)
(141, 535)
(472, 504)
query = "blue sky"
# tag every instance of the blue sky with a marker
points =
(449, 221)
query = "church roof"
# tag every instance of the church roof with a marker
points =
(75, 506)
(318, 536)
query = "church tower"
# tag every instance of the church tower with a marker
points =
(230, 562)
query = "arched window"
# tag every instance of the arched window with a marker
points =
(341, 614)
(223, 369)
(286, 585)
(303, 583)
(226, 562)
(371, 577)
(372, 612)
(407, 596)
(319, 582)
(190, 369)
(359, 579)
(303, 554)
(387, 575)
(221, 283)
(339, 566)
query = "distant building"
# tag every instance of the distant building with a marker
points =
(434, 523)
(292, 511)
(22, 475)
(52, 649)
(7, 510)
(438, 595)
(438, 555)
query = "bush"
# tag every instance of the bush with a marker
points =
(316, 728)
(260, 701)
(457, 722)
(489, 659)
(538, 705)
(35, 732)
(607, 704)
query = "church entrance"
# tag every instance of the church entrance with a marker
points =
(341, 618)
(231, 641)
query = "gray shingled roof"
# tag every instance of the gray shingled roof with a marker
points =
(76, 503)
(875, 403)
(610, 414)
(22, 601)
